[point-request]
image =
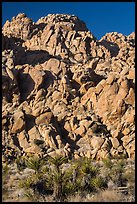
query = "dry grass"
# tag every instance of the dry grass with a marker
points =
(103, 196)
(107, 196)
(76, 198)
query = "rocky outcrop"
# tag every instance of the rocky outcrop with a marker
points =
(65, 92)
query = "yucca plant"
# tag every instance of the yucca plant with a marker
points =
(88, 168)
(56, 176)
(47, 176)
(69, 185)
(57, 181)
(107, 163)
(56, 161)
(98, 183)
(114, 170)
(36, 180)
(117, 172)
(36, 164)
(87, 175)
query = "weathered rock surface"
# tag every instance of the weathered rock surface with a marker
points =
(64, 91)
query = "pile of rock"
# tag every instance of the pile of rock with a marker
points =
(64, 92)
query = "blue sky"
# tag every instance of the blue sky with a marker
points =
(100, 17)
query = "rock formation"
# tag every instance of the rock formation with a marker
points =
(64, 91)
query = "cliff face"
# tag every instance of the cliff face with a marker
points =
(65, 92)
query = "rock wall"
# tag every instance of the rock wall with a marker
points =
(64, 91)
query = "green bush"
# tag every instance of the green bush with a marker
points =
(35, 163)
(87, 176)
(98, 183)
(115, 169)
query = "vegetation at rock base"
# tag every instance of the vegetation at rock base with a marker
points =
(59, 179)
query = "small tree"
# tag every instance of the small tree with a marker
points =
(56, 176)
(36, 164)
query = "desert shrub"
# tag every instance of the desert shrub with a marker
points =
(129, 176)
(108, 163)
(5, 177)
(87, 176)
(27, 183)
(20, 162)
(5, 170)
(32, 196)
(98, 183)
(115, 169)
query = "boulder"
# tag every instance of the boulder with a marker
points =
(19, 122)
(44, 118)
(97, 142)
(23, 140)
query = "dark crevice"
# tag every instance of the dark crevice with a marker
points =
(111, 46)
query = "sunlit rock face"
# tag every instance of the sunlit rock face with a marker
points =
(65, 92)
